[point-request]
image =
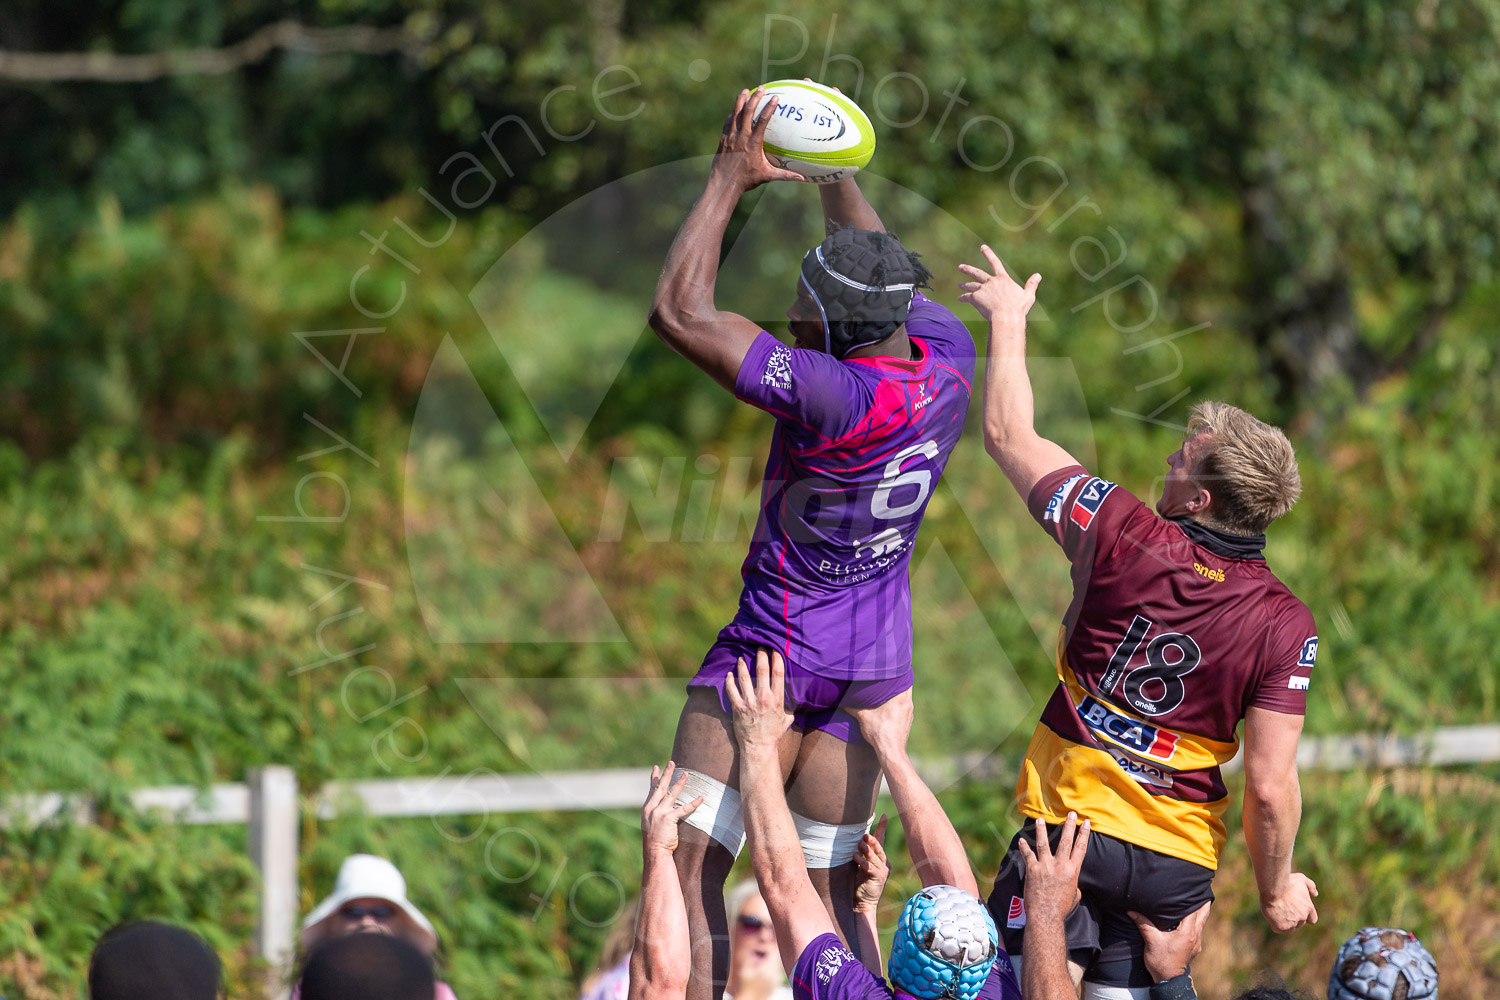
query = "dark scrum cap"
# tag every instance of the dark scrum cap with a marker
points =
(863, 283)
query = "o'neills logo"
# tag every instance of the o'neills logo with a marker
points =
(1216, 575)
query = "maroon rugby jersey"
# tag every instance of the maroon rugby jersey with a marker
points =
(1174, 632)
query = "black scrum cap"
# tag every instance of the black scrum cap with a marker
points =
(863, 283)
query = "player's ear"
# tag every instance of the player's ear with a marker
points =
(1200, 503)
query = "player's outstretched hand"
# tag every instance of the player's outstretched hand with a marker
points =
(759, 705)
(1293, 906)
(1052, 879)
(660, 814)
(886, 726)
(741, 159)
(874, 869)
(994, 293)
(1169, 952)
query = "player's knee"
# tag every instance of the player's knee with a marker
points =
(829, 845)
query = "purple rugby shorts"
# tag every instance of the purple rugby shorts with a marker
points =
(817, 702)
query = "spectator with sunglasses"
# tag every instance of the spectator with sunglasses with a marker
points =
(755, 971)
(369, 897)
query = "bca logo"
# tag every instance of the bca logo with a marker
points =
(1309, 653)
(1089, 500)
(1129, 733)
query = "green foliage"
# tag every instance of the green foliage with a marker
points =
(156, 629)
(1315, 183)
(1296, 157)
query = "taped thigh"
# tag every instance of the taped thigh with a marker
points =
(1098, 991)
(828, 845)
(719, 816)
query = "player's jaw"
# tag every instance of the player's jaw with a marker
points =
(1180, 486)
(805, 323)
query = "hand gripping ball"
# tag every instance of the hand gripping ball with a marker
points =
(945, 943)
(1382, 963)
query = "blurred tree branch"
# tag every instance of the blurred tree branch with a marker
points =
(112, 67)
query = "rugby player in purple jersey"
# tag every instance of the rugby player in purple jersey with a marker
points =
(869, 402)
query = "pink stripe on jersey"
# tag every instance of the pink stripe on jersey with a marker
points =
(958, 373)
(887, 411)
(786, 604)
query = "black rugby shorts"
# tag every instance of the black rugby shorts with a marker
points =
(1117, 877)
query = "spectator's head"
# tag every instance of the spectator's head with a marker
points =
(1383, 963)
(1233, 472)
(369, 896)
(754, 962)
(370, 967)
(151, 961)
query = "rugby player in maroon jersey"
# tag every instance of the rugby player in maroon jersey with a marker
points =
(1177, 632)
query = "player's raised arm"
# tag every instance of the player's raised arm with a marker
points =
(1273, 810)
(936, 850)
(1051, 891)
(661, 960)
(683, 312)
(844, 204)
(874, 870)
(760, 719)
(1010, 434)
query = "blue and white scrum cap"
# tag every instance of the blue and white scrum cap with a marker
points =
(1383, 963)
(945, 945)
(863, 283)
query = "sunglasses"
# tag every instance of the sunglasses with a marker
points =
(380, 911)
(752, 924)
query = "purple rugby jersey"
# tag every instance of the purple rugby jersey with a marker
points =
(826, 970)
(859, 446)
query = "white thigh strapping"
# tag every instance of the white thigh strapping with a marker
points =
(1097, 991)
(719, 816)
(828, 845)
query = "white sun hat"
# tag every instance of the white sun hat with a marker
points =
(364, 876)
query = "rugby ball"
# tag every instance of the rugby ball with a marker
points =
(816, 131)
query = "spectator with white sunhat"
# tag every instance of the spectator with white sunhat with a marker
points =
(369, 896)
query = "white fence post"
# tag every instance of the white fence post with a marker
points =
(273, 848)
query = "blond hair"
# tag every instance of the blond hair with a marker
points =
(1248, 467)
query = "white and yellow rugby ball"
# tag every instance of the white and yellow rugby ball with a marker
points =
(816, 131)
